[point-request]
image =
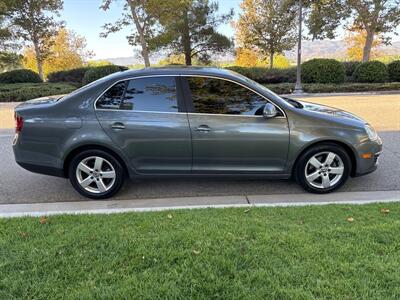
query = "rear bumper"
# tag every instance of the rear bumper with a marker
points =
(43, 169)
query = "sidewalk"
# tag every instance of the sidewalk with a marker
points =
(140, 205)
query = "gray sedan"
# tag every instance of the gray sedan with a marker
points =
(189, 121)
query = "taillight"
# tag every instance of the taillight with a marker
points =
(19, 123)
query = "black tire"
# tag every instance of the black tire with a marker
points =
(300, 169)
(114, 186)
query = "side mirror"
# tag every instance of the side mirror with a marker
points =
(269, 111)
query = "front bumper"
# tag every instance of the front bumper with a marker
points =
(368, 165)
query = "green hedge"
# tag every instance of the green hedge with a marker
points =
(287, 88)
(323, 70)
(98, 72)
(371, 71)
(19, 92)
(394, 70)
(74, 75)
(265, 75)
(19, 76)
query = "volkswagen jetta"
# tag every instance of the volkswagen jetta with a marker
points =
(189, 122)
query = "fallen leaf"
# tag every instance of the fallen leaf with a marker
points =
(195, 252)
(169, 216)
(350, 219)
(300, 222)
(247, 210)
(24, 234)
(43, 220)
(385, 211)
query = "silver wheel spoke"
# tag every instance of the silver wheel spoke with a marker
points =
(86, 181)
(315, 162)
(108, 174)
(98, 163)
(325, 181)
(101, 186)
(326, 174)
(84, 168)
(329, 159)
(313, 176)
(336, 170)
(98, 181)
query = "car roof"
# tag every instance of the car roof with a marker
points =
(178, 70)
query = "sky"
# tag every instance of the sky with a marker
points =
(86, 18)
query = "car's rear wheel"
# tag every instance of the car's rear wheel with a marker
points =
(96, 174)
(323, 168)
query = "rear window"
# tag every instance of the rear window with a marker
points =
(153, 94)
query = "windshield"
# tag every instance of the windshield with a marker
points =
(100, 80)
(266, 90)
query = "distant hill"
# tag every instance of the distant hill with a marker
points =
(310, 49)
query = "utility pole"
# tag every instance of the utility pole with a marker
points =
(298, 88)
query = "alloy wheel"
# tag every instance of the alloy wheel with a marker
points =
(95, 174)
(324, 170)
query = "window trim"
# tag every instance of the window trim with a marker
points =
(179, 96)
(189, 99)
(184, 99)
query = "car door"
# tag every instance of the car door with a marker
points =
(229, 132)
(146, 118)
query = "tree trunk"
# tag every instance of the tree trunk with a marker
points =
(38, 60)
(186, 40)
(368, 46)
(140, 29)
(271, 60)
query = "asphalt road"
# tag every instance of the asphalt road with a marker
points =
(383, 111)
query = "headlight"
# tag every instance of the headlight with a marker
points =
(371, 132)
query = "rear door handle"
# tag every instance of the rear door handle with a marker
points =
(203, 128)
(118, 125)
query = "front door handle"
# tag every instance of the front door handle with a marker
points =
(203, 128)
(118, 125)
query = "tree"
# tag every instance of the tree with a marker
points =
(9, 61)
(34, 23)
(189, 27)
(268, 25)
(374, 17)
(141, 13)
(67, 50)
(355, 41)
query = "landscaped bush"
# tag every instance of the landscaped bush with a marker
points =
(287, 88)
(18, 92)
(74, 75)
(265, 75)
(350, 67)
(18, 76)
(371, 71)
(98, 72)
(323, 70)
(394, 70)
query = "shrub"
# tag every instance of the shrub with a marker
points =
(350, 67)
(19, 76)
(17, 92)
(265, 75)
(98, 72)
(371, 71)
(394, 70)
(74, 75)
(323, 70)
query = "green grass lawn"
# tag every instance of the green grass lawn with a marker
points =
(334, 252)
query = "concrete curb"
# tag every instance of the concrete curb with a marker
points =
(144, 205)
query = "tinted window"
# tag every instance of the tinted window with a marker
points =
(151, 94)
(112, 98)
(217, 96)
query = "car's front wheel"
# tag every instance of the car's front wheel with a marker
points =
(96, 174)
(323, 168)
